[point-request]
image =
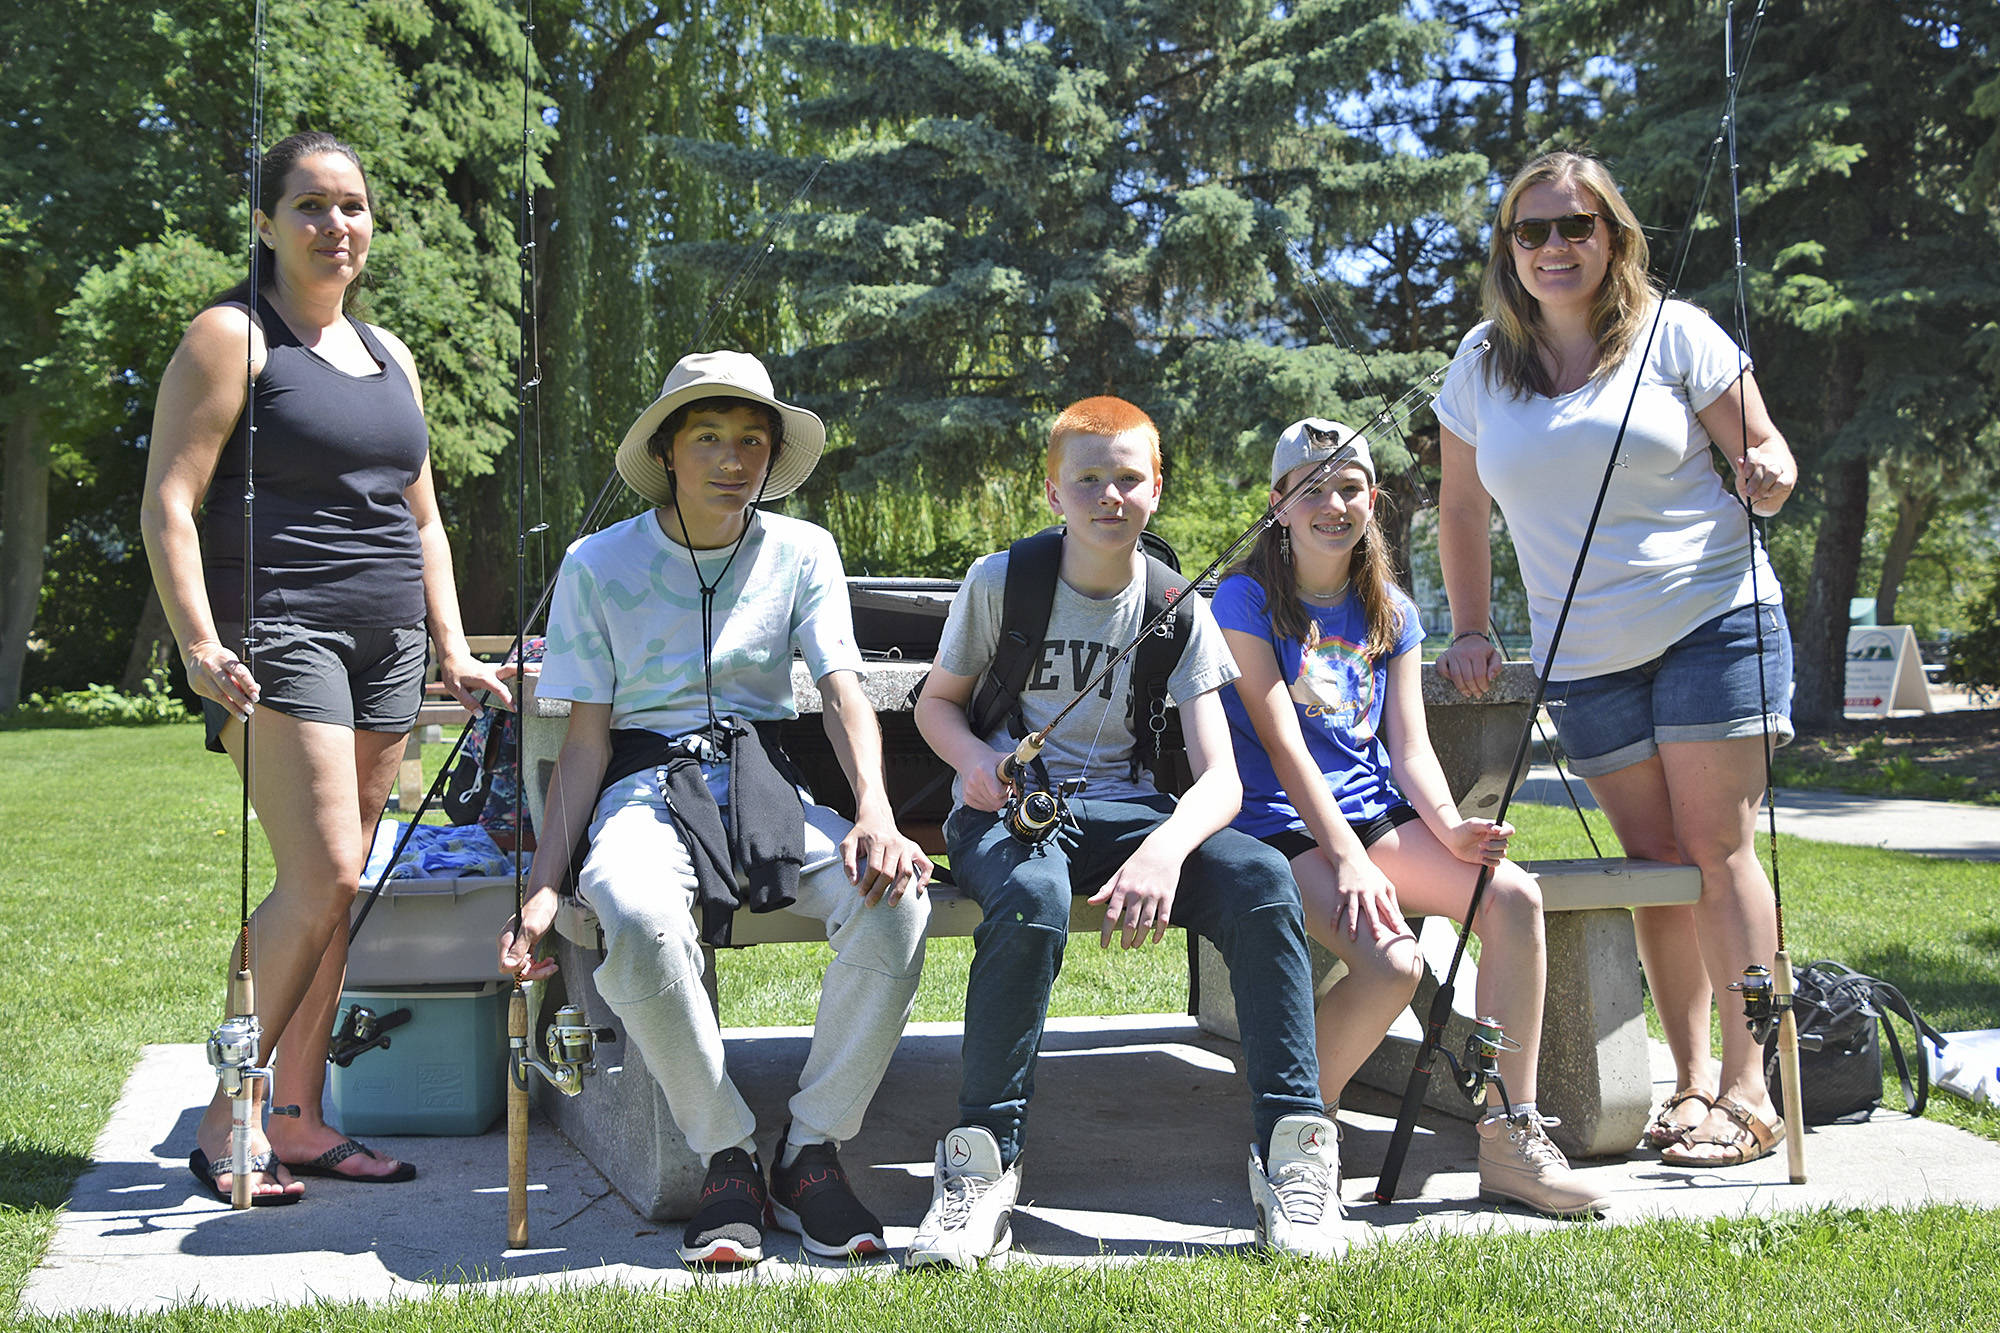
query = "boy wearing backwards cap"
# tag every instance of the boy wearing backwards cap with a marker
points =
(1151, 861)
(672, 635)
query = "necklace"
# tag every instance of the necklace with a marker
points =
(1325, 598)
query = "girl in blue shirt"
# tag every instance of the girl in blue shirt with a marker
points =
(1328, 727)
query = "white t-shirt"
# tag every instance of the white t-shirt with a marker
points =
(1095, 741)
(1672, 548)
(625, 623)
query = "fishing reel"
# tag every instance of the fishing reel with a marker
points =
(1763, 1007)
(232, 1054)
(1033, 814)
(1480, 1063)
(572, 1051)
(360, 1030)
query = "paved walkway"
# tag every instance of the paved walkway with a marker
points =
(1929, 828)
(1142, 1149)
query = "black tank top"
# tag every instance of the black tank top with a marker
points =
(336, 545)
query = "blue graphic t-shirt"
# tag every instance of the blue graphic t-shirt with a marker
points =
(1337, 693)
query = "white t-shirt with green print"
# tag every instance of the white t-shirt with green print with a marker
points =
(625, 623)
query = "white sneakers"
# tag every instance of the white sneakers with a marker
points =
(1518, 1164)
(971, 1216)
(1298, 1193)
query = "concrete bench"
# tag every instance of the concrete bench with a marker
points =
(1594, 1070)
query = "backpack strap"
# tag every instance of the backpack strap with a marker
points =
(1153, 661)
(1890, 1000)
(1028, 599)
(1025, 606)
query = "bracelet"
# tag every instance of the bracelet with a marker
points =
(1470, 634)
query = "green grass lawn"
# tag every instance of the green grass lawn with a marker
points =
(118, 905)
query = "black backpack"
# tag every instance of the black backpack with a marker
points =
(1032, 565)
(1841, 1014)
(1029, 598)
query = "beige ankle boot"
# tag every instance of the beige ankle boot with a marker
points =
(1518, 1164)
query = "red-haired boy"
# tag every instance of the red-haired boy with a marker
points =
(1150, 860)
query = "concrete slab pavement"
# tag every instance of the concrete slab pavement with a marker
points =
(1138, 1146)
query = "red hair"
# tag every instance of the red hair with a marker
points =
(1103, 415)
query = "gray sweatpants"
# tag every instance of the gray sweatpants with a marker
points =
(640, 882)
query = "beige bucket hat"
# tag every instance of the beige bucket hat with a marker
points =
(721, 375)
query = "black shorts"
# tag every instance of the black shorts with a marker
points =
(1296, 842)
(361, 679)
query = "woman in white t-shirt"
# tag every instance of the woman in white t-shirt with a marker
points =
(1675, 661)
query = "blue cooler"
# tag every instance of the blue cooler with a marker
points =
(444, 1071)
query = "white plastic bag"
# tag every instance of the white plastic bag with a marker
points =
(1969, 1065)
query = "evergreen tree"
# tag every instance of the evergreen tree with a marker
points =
(1048, 202)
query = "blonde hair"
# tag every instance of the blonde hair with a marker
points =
(1623, 301)
(1369, 573)
(1103, 415)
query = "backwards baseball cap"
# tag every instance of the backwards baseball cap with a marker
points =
(1314, 440)
(721, 375)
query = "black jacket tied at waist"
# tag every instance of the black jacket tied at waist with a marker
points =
(766, 833)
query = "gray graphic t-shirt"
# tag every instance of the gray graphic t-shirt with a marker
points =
(1095, 741)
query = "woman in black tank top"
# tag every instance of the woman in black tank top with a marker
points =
(349, 566)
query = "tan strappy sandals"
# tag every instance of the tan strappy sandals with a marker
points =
(1748, 1139)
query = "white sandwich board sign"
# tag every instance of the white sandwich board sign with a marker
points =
(1883, 671)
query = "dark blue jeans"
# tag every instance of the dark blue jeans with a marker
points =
(1234, 891)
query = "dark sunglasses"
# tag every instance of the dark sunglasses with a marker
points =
(1533, 233)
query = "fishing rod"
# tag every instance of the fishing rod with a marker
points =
(234, 1045)
(1767, 999)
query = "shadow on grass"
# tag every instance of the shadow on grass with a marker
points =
(1939, 988)
(32, 1177)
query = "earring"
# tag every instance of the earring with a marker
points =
(1285, 545)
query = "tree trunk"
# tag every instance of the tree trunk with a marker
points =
(1821, 632)
(1914, 510)
(153, 645)
(24, 534)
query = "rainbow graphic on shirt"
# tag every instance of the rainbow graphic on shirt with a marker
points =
(1336, 681)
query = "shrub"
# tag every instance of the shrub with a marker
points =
(106, 706)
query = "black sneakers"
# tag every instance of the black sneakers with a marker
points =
(728, 1223)
(812, 1198)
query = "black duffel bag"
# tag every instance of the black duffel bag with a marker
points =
(1842, 1015)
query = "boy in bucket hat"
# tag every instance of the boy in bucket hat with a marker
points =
(672, 636)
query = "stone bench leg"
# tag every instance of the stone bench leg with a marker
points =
(1594, 1072)
(1596, 1065)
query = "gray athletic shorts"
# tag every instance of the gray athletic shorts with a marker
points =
(362, 679)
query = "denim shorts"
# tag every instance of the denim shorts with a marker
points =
(1703, 688)
(362, 679)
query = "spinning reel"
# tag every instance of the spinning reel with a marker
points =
(232, 1054)
(1763, 1007)
(360, 1030)
(572, 1052)
(1480, 1064)
(1033, 814)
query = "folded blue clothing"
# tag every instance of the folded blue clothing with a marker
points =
(434, 851)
